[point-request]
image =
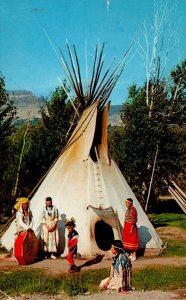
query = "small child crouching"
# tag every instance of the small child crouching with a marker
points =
(72, 244)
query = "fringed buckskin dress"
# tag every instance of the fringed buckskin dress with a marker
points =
(120, 273)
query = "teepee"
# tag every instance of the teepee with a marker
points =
(84, 182)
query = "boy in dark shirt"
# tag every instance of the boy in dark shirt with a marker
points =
(72, 244)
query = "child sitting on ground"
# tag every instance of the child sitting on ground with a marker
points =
(120, 273)
(72, 244)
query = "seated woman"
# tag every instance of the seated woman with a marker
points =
(120, 273)
(24, 218)
(25, 245)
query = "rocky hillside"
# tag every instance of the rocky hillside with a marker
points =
(114, 115)
(28, 106)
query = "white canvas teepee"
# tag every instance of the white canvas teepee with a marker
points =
(90, 192)
(85, 183)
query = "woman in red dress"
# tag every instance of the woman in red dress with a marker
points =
(130, 232)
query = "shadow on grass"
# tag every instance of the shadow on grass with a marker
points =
(156, 225)
(167, 206)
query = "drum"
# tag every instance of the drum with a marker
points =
(26, 247)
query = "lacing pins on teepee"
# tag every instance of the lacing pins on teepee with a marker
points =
(99, 183)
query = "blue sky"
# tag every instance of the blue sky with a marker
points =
(27, 60)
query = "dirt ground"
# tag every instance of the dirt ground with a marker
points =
(108, 295)
(60, 265)
(171, 233)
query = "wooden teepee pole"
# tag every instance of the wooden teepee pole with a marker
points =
(14, 191)
(151, 180)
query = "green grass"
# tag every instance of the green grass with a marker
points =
(20, 282)
(168, 219)
(37, 282)
(160, 278)
(175, 248)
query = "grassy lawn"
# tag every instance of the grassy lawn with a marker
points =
(29, 282)
(162, 278)
(176, 240)
(35, 282)
(175, 248)
(168, 219)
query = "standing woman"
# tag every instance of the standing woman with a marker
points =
(130, 236)
(49, 232)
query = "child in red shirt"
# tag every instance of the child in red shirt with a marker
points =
(72, 244)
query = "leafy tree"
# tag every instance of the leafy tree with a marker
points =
(7, 117)
(178, 94)
(58, 122)
(159, 132)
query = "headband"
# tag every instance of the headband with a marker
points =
(129, 200)
(117, 247)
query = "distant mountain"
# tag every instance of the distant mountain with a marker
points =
(114, 115)
(28, 106)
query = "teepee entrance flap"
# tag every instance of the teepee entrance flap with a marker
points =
(109, 216)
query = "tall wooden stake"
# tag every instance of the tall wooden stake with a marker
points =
(151, 180)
